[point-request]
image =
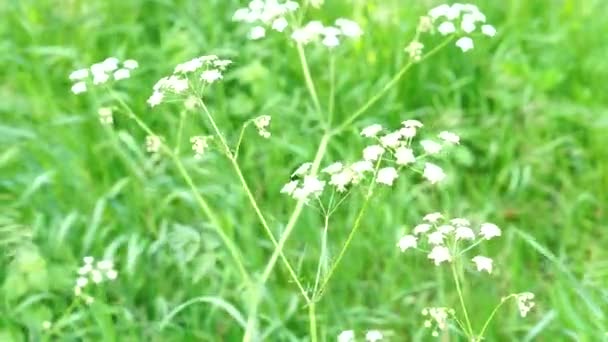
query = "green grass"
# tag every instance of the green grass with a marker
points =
(531, 106)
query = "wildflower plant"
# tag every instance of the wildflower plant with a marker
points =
(320, 185)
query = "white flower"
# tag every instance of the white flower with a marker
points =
(432, 217)
(153, 144)
(121, 74)
(404, 156)
(430, 146)
(362, 166)
(422, 228)
(391, 140)
(412, 123)
(349, 28)
(312, 185)
(439, 11)
(464, 233)
(387, 176)
(257, 32)
(279, 24)
(465, 44)
(112, 274)
(261, 123)
(130, 64)
(96, 276)
(373, 336)
(525, 303)
(460, 222)
(79, 74)
(406, 242)
(488, 30)
(446, 28)
(290, 187)
(341, 179)
(489, 231)
(199, 145)
(467, 24)
(445, 229)
(155, 99)
(483, 263)
(333, 168)
(189, 66)
(100, 78)
(88, 260)
(433, 173)
(449, 137)
(330, 41)
(211, 75)
(79, 87)
(85, 269)
(82, 282)
(440, 254)
(110, 64)
(346, 336)
(372, 152)
(46, 325)
(436, 238)
(302, 169)
(414, 50)
(88, 300)
(371, 130)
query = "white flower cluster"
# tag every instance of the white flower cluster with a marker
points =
(100, 73)
(105, 116)
(200, 144)
(328, 35)
(153, 144)
(399, 144)
(443, 236)
(437, 319)
(263, 14)
(93, 272)
(463, 19)
(261, 123)
(525, 302)
(370, 336)
(207, 69)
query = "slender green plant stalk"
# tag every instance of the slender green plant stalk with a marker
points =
(487, 323)
(461, 298)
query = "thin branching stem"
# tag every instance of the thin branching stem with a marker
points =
(487, 323)
(461, 299)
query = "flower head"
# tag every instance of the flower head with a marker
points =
(373, 336)
(346, 336)
(489, 231)
(525, 302)
(440, 254)
(433, 173)
(406, 242)
(371, 131)
(483, 263)
(387, 175)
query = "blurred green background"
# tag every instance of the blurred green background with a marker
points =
(531, 106)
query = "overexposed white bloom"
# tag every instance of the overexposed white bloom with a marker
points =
(406, 242)
(312, 185)
(257, 32)
(373, 336)
(440, 254)
(446, 28)
(346, 336)
(488, 30)
(371, 130)
(362, 166)
(436, 238)
(430, 146)
(211, 75)
(79, 74)
(122, 74)
(155, 99)
(525, 303)
(341, 179)
(414, 50)
(100, 78)
(330, 41)
(464, 233)
(445, 228)
(349, 28)
(422, 228)
(433, 173)
(79, 87)
(391, 140)
(333, 168)
(105, 115)
(412, 123)
(290, 187)
(387, 175)
(130, 64)
(468, 23)
(432, 217)
(483, 263)
(460, 222)
(404, 156)
(112, 274)
(449, 137)
(199, 145)
(372, 152)
(465, 44)
(489, 231)
(279, 24)
(302, 169)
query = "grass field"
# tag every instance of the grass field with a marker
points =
(530, 105)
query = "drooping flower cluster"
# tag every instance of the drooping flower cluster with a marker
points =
(153, 144)
(261, 123)
(525, 302)
(105, 116)
(462, 19)
(194, 73)
(445, 238)
(328, 35)
(92, 272)
(437, 318)
(370, 336)
(100, 73)
(200, 144)
(264, 14)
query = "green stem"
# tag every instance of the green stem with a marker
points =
(180, 132)
(323, 255)
(461, 298)
(389, 86)
(312, 319)
(351, 235)
(308, 78)
(332, 88)
(487, 323)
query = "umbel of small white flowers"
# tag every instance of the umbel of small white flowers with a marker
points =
(445, 238)
(370, 336)
(105, 116)
(261, 123)
(197, 72)
(458, 19)
(90, 273)
(328, 35)
(263, 14)
(437, 318)
(100, 73)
